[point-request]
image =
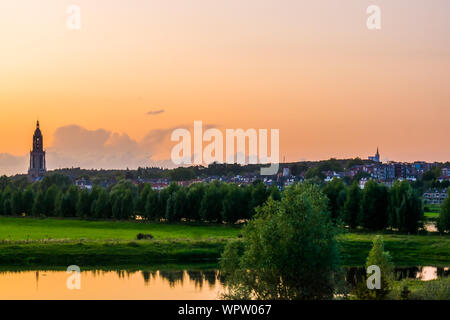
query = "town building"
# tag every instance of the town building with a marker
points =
(434, 196)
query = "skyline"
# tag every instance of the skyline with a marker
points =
(68, 145)
(111, 93)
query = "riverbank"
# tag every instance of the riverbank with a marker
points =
(406, 251)
(58, 242)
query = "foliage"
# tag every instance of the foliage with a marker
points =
(375, 199)
(444, 217)
(352, 206)
(288, 243)
(382, 259)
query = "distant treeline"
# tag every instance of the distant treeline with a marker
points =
(374, 208)
(310, 170)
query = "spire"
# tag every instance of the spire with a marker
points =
(37, 124)
(377, 151)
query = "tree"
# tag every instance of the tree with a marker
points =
(405, 208)
(336, 193)
(28, 199)
(102, 206)
(352, 206)
(39, 204)
(71, 199)
(84, 204)
(289, 250)
(142, 200)
(127, 206)
(315, 172)
(444, 217)
(211, 205)
(17, 203)
(374, 206)
(179, 203)
(232, 203)
(259, 196)
(193, 201)
(151, 205)
(382, 259)
(275, 193)
(50, 198)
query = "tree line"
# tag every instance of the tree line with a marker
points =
(213, 202)
(375, 207)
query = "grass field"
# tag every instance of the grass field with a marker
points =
(431, 215)
(37, 229)
(52, 242)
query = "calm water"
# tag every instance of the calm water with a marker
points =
(98, 284)
(161, 285)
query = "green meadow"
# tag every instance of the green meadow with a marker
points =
(15, 229)
(57, 242)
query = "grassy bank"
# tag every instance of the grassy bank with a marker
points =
(55, 242)
(70, 229)
(406, 250)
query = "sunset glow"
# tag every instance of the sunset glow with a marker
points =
(309, 68)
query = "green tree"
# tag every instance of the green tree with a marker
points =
(102, 206)
(232, 204)
(352, 206)
(5, 204)
(193, 201)
(50, 199)
(39, 205)
(289, 250)
(127, 206)
(83, 207)
(375, 203)
(382, 259)
(336, 193)
(444, 217)
(274, 193)
(405, 208)
(17, 203)
(211, 204)
(28, 199)
(259, 196)
(151, 205)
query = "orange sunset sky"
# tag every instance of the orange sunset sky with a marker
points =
(309, 68)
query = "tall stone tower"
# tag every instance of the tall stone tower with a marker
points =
(37, 156)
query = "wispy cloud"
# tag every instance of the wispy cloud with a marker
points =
(155, 112)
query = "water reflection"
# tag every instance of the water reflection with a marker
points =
(355, 275)
(152, 284)
(116, 284)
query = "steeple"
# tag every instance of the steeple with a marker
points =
(37, 155)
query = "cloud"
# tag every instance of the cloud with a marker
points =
(75, 146)
(155, 112)
(11, 164)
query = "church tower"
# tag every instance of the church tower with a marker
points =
(37, 156)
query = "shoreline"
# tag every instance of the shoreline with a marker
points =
(405, 250)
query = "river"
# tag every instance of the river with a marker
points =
(147, 285)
